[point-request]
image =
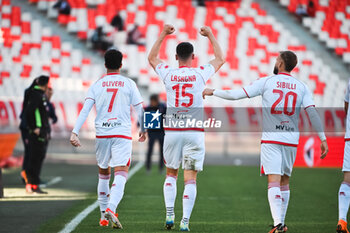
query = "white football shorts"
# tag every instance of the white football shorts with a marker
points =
(346, 161)
(113, 152)
(186, 147)
(277, 159)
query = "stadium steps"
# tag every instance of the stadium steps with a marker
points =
(289, 21)
(65, 36)
(59, 30)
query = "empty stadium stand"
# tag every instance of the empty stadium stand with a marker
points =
(250, 38)
(29, 50)
(331, 23)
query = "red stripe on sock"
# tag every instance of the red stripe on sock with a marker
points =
(190, 182)
(121, 173)
(285, 187)
(348, 184)
(273, 185)
(175, 177)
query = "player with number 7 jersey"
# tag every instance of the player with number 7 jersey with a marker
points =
(113, 95)
(183, 144)
(282, 98)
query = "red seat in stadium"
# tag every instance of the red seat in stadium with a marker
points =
(63, 19)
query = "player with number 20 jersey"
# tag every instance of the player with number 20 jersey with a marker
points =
(282, 98)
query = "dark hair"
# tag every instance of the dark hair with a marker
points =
(290, 60)
(154, 97)
(113, 59)
(42, 80)
(184, 50)
(34, 83)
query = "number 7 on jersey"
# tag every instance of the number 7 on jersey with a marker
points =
(114, 91)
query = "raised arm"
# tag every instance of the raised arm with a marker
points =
(153, 58)
(219, 59)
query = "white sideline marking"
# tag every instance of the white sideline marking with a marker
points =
(77, 220)
(80, 217)
(53, 181)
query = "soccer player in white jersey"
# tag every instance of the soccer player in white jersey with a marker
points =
(282, 97)
(344, 190)
(113, 94)
(184, 86)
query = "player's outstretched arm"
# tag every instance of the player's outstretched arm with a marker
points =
(228, 95)
(153, 58)
(317, 126)
(219, 59)
(74, 139)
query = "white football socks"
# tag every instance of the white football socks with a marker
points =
(344, 200)
(169, 191)
(117, 190)
(188, 199)
(285, 200)
(103, 192)
(275, 201)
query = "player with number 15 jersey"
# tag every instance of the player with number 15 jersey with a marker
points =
(183, 144)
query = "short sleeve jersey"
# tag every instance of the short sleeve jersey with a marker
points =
(282, 98)
(184, 86)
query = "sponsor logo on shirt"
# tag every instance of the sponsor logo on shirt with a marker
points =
(110, 124)
(285, 128)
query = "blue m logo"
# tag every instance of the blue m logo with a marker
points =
(152, 120)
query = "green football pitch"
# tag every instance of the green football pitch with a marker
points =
(229, 199)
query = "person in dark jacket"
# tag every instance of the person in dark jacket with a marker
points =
(24, 131)
(99, 40)
(37, 118)
(135, 36)
(63, 7)
(311, 9)
(50, 107)
(117, 22)
(23, 125)
(155, 135)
